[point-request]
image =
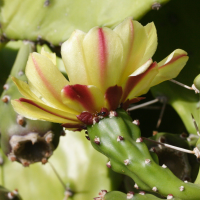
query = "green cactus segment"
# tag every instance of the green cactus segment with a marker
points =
(115, 195)
(131, 157)
(8, 195)
(54, 21)
(24, 140)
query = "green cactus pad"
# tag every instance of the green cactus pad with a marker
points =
(54, 21)
(130, 156)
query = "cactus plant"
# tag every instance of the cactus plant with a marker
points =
(110, 132)
(63, 102)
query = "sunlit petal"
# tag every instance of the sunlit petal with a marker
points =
(35, 110)
(50, 56)
(46, 79)
(171, 66)
(24, 89)
(103, 54)
(134, 39)
(74, 60)
(138, 85)
(143, 68)
(151, 43)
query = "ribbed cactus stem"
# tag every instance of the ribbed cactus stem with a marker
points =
(133, 158)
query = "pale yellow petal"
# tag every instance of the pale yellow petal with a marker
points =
(25, 90)
(134, 39)
(143, 68)
(151, 43)
(45, 77)
(138, 85)
(74, 60)
(35, 110)
(50, 56)
(171, 66)
(103, 55)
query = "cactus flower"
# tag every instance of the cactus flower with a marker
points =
(106, 69)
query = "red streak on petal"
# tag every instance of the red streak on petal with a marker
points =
(45, 81)
(128, 102)
(86, 118)
(34, 104)
(173, 60)
(81, 94)
(134, 80)
(137, 99)
(113, 96)
(102, 53)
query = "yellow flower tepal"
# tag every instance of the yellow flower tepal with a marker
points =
(106, 69)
